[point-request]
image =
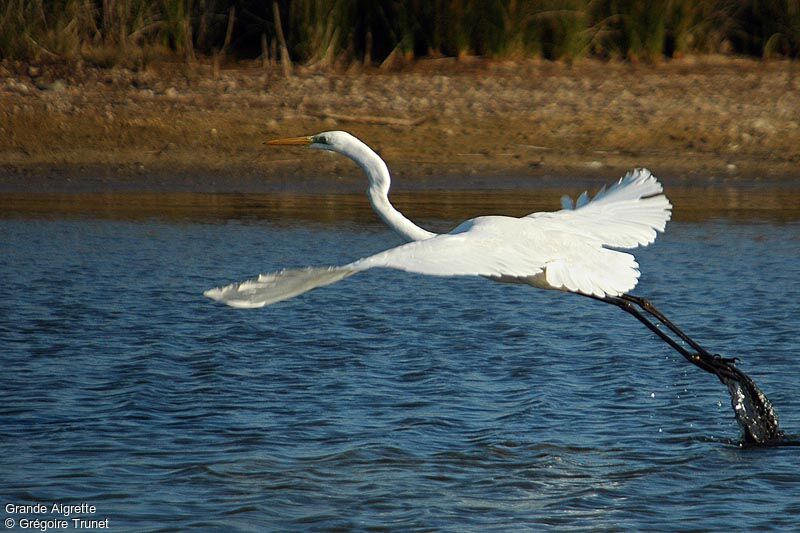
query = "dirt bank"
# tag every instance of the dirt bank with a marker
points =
(179, 127)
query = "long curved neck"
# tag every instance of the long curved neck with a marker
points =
(394, 218)
(378, 193)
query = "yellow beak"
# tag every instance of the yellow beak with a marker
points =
(290, 141)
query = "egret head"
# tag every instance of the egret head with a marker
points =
(335, 141)
(349, 146)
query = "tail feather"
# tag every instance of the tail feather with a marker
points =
(278, 286)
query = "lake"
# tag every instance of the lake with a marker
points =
(388, 401)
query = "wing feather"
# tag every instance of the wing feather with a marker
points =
(485, 246)
(271, 288)
(515, 250)
(626, 215)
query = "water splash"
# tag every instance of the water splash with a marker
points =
(753, 410)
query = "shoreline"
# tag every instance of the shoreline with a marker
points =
(778, 202)
(441, 124)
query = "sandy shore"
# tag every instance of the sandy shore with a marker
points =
(438, 122)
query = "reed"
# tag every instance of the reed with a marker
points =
(39, 30)
(768, 27)
(328, 32)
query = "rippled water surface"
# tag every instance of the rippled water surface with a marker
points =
(388, 400)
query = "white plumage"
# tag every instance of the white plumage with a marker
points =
(570, 250)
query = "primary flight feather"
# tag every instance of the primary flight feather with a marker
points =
(574, 249)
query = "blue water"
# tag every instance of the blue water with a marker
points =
(388, 401)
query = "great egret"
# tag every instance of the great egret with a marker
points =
(576, 249)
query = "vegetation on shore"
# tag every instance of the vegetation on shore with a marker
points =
(335, 32)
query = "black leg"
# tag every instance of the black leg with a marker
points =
(752, 408)
(710, 363)
(649, 308)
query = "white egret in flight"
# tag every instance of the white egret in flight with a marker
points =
(569, 250)
(576, 249)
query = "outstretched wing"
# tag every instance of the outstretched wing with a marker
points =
(626, 215)
(501, 248)
(566, 250)
(476, 248)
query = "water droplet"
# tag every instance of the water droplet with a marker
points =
(652, 394)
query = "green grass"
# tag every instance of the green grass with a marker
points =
(329, 32)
